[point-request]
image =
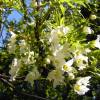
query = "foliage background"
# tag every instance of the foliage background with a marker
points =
(39, 18)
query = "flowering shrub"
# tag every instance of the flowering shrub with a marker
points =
(52, 52)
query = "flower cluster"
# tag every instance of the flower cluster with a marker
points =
(77, 60)
(81, 85)
(52, 51)
(97, 42)
(25, 58)
(66, 59)
(59, 52)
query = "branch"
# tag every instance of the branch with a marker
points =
(47, 15)
(18, 92)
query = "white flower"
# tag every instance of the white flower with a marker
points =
(81, 85)
(22, 43)
(93, 17)
(33, 75)
(97, 42)
(71, 76)
(30, 57)
(15, 62)
(67, 66)
(31, 53)
(81, 66)
(81, 61)
(12, 39)
(82, 57)
(2, 9)
(57, 49)
(56, 76)
(87, 50)
(14, 68)
(11, 47)
(87, 30)
(64, 30)
(56, 33)
(83, 81)
(80, 89)
(58, 55)
(13, 35)
(54, 37)
(57, 60)
(48, 61)
(24, 47)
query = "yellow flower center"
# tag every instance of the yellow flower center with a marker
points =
(60, 34)
(77, 87)
(78, 61)
(56, 73)
(65, 67)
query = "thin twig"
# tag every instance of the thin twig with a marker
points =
(19, 92)
(41, 98)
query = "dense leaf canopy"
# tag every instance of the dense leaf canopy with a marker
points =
(52, 52)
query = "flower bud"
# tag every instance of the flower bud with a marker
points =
(87, 30)
(71, 76)
(47, 60)
(93, 17)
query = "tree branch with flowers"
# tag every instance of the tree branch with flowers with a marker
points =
(52, 53)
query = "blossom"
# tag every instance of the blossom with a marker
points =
(93, 17)
(81, 66)
(57, 60)
(57, 49)
(87, 30)
(67, 66)
(15, 62)
(87, 50)
(47, 60)
(11, 47)
(63, 29)
(24, 47)
(54, 37)
(15, 66)
(71, 76)
(84, 81)
(12, 40)
(56, 33)
(58, 55)
(81, 85)
(13, 35)
(82, 57)
(97, 42)
(22, 43)
(56, 76)
(80, 89)
(30, 58)
(81, 61)
(33, 75)
(2, 9)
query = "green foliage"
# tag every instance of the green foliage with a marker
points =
(51, 53)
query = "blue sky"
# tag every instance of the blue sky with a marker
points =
(14, 16)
